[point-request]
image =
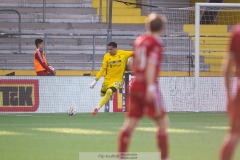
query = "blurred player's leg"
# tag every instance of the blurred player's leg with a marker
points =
(229, 146)
(125, 133)
(232, 138)
(162, 137)
(157, 113)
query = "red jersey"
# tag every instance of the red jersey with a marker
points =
(146, 48)
(234, 46)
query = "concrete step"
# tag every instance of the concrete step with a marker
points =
(11, 27)
(49, 3)
(65, 41)
(121, 11)
(171, 3)
(28, 57)
(54, 10)
(76, 32)
(31, 51)
(89, 66)
(55, 47)
(52, 57)
(40, 5)
(127, 19)
(96, 3)
(37, 17)
(83, 26)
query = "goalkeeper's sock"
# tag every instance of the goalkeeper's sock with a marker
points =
(162, 139)
(105, 98)
(124, 139)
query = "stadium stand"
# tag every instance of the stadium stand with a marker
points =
(213, 44)
(214, 38)
(70, 27)
(63, 20)
(122, 13)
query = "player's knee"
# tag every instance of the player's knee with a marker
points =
(161, 135)
(161, 132)
(102, 93)
(235, 137)
(109, 92)
(126, 132)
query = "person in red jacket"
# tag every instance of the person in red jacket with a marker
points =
(41, 66)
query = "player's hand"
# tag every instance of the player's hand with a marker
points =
(54, 71)
(51, 67)
(93, 84)
(151, 93)
(129, 63)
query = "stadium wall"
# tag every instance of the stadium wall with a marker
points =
(56, 94)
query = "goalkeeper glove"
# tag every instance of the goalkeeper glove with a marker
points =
(93, 84)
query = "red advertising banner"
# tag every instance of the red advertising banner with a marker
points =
(19, 95)
(117, 102)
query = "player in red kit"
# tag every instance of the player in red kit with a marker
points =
(145, 97)
(233, 60)
(41, 66)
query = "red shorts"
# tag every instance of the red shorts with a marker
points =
(42, 73)
(234, 113)
(139, 107)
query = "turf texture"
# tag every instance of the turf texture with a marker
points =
(193, 136)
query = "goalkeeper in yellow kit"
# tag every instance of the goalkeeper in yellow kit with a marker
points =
(114, 63)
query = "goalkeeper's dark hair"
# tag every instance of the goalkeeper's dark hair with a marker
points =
(38, 41)
(113, 44)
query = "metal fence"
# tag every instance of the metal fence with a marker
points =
(19, 25)
(89, 53)
(176, 42)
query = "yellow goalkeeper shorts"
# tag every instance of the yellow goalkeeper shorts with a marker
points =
(107, 84)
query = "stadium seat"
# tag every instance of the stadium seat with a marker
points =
(122, 13)
(213, 43)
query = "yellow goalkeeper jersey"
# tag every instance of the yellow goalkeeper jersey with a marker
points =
(114, 65)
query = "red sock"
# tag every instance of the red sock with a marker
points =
(124, 138)
(227, 150)
(162, 139)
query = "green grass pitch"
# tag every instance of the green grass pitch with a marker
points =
(193, 136)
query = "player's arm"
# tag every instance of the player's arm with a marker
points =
(228, 73)
(229, 64)
(149, 76)
(100, 73)
(39, 57)
(129, 59)
(128, 53)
